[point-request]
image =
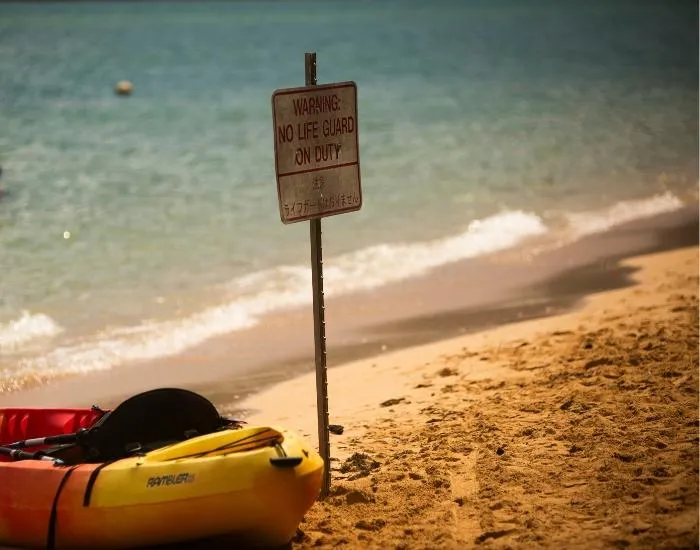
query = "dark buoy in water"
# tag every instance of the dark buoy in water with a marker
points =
(123, 87)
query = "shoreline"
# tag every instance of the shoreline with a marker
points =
(425, 309)
(575, 429)
(627, 275)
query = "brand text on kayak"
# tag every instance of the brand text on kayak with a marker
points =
(172, 479)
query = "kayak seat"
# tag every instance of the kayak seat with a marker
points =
(149, 420)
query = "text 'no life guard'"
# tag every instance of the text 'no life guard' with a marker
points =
(317, 157)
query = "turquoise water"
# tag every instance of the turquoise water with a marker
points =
(136, 227)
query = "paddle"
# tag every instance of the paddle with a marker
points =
(17, 454)
(48, 440)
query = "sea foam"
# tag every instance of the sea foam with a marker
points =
(25, 329)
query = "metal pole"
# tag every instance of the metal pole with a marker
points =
(319, 323)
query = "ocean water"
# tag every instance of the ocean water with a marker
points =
(133, 228)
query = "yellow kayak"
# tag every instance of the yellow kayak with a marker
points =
(255, 483)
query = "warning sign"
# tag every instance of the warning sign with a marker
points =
(317, 157)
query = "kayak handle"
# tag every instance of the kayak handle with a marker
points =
(284, 461)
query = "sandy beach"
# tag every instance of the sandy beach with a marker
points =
(575, 431)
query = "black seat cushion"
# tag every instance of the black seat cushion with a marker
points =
(160, 415)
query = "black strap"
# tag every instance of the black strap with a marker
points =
(51, 536)
(91, 481)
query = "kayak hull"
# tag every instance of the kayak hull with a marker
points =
(229, 483)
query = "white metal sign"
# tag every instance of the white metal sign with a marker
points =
(317, 156)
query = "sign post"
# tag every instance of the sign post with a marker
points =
(317, 163)
(324, 443)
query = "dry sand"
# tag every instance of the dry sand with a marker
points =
(574, 431)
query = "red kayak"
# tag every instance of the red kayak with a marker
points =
(17, 424)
